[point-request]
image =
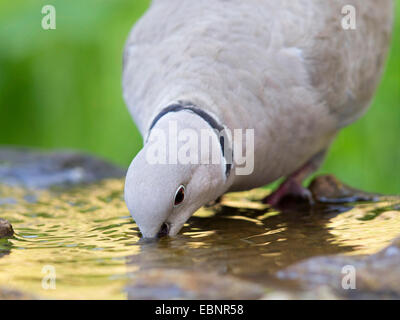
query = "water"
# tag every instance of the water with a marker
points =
(87, 236)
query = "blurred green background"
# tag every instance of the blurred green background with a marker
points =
(62, 89)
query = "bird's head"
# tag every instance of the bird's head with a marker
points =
(163, 191)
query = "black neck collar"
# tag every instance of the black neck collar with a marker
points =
(186, 106)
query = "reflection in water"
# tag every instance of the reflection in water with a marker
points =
(90, 239)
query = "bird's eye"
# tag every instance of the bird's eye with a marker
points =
(179, 195)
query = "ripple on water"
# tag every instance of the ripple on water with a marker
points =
(88, 236)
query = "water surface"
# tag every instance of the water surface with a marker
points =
(87, 235)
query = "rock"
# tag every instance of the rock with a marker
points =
(11, 294)
(319, 293)
(37, 169)
(184, 284)
(376, 276)
(327, 188)
(6, 229)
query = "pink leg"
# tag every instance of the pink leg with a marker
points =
(292, 186)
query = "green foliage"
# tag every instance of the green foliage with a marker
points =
(62, 89)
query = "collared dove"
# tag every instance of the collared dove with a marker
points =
(295, 72)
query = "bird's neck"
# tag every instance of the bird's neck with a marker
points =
(193, 135)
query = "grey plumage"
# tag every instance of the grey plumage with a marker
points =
(286, 69)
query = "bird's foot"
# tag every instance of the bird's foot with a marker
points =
(289, 189)
(292, 187)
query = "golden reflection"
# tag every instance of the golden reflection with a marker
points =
(84, 233)
(367, 236)
(88, 236)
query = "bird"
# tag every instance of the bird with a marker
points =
(290, 73)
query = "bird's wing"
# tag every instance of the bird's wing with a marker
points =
(345, 65)
(231, 49)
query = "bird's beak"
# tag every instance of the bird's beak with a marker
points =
(164, 230)
(175, 228)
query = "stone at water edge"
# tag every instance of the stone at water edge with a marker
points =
(12, 294)
(327, 188)
(376, 276)
(38, 169)
(187, 284)
(6, 229)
